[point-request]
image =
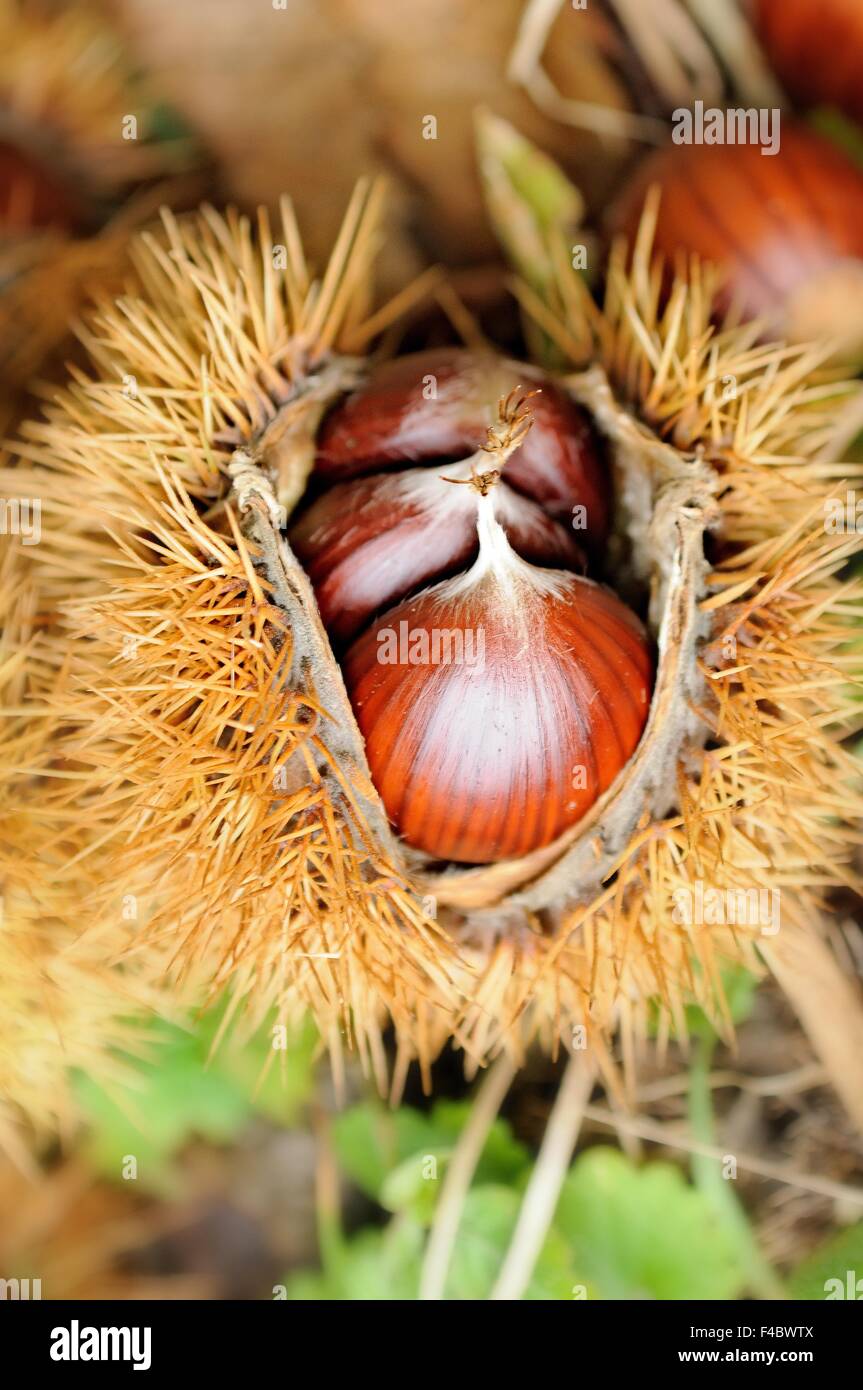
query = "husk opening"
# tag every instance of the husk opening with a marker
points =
(302, 901)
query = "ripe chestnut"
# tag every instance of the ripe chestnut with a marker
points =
(786, 229)
(815, 50)
(366, 543)
(496, 752)
(435, 405)
(499, 703)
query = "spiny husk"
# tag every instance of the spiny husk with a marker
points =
(66, 88)
(221, 777)
(62, 1002)
(50, 279)
(177, 777)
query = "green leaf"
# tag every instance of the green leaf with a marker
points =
(386, 1264)
(504, 1159)
(376, 1265)
(644, 1232)
(385, 1151)
(739, 987)
(759, 1276)
(180, 1092)
(370, 1141)
(528, 196)
(488, 1221)
(307, 1286)
(277, 1081)
(414, 1185)
(833, 1261)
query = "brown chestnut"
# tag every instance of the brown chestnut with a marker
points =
(816, 50)
(498, 705)
(786, 229)
(431, 406)
(370, 542)
(30, 196)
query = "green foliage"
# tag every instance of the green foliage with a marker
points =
(832, 1260)
(386, 1152)
(487, 1224)
(528, 196)
(739, 987)
(377, 1265)
(708, 1176)
(644, 1232)
(385, 1264)
(166, 123)
(370, 1142)
(180, 1093)
(621, 1231)
(534, 211)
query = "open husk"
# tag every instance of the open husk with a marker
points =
(220, 780)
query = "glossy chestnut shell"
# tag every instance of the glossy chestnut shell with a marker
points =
(488, 761)
(432, 406)
(498, 704)
(367, 543)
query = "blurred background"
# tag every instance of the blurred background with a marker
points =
(223, 1172)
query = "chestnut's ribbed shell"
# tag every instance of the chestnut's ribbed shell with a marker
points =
(773, 223)
(479, 761)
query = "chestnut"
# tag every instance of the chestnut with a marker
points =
(498, 705)
(32, 198)
(786, 230)
(366, 543)
(815, 50)
(435, 405)
(219, 773)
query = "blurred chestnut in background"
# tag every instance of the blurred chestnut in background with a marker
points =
(786, 229)
(31, 196)
(815, 49)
